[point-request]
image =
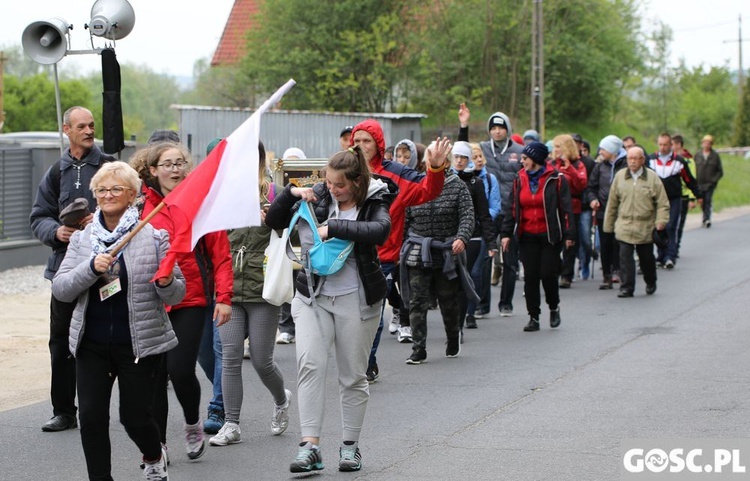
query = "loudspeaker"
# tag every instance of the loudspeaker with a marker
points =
(112, 19)
(46, 41)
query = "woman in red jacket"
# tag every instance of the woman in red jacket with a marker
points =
(208, 273)
(567, 160)
(540, 215)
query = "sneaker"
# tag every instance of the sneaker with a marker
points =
(246, 354)
(350, 458)
(164, 454)
(615, 277)
(669, 264)
(471, 322)
(195, 442)
(532, 326)
(565, 283)
(157, 471)
(214, 421)
(285, 338)
(452, 348)
(280, 419)
(506, 311)
(228, 434)
(404, 334)
(624, 293)
(606, 284)
(393, 325)
(308, 459)
(479, 314)
(372, 373)
(554, 317)
(418, 356)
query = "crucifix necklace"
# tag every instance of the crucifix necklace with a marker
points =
(78, 177)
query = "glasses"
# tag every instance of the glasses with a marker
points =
(116, 191)
(171, 165)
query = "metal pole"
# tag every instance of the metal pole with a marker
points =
(59, 110)
(534, 85)
(540, 28)
(741, 77)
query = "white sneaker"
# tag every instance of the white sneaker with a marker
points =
(285, 338)
(404, 334)
(228, 434)
(195, 442)
(393, 326)
(280, 419)
(157, 471)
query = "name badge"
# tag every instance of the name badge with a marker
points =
(110, 289)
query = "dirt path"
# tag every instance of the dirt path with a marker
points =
(24, 328)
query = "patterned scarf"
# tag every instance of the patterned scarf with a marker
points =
(101, 236)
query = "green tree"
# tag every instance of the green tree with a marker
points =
(706, 102)
(742, 121)
(30, 102)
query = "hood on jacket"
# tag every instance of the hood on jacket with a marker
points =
(505, 119)
(372, 127)
(413, 149)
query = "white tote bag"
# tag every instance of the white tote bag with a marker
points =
(278, 273)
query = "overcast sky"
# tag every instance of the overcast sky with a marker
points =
(170, 35)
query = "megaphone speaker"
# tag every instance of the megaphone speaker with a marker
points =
(112, 19)
(46, 42)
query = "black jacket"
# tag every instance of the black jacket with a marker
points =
(483, 226)
(600, 181)
(558, 206)
(370, 230)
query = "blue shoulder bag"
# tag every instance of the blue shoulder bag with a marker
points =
(324, 257)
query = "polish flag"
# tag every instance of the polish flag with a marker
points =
(222, 192)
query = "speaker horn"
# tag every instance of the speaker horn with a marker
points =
(46, 41)
(112, 19)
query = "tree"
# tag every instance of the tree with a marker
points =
(742, 121)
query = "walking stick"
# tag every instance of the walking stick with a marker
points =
(594, 252)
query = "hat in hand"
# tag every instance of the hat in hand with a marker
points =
(75, 212)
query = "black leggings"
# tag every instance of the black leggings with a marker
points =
(180, 367)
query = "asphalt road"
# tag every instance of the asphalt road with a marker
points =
(551, 405)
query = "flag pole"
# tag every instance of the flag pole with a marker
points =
(137, 229)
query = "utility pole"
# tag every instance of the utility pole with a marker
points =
(537, 68)
(741, 72)
(3, 58)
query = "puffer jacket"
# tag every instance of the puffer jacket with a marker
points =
(635, 208)
(208, 269)
(503, 161)
(600, 182)
(150, 330)
(558, 210)
(450, 216)
(372, 228)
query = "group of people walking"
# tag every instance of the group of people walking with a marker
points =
(425, 227)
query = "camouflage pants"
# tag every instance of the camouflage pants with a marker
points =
(423, 283)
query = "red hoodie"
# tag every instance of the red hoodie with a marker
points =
(413, 188)
(217, 247)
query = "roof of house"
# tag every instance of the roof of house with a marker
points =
(232, 45)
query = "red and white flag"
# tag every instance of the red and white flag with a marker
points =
(222, 192)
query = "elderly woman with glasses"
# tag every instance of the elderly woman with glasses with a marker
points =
(209, 287)
(120, 328)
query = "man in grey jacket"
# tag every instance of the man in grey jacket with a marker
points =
(67, 180)
(504, 160)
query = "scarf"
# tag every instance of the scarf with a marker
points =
(534, 179)
(102, 239)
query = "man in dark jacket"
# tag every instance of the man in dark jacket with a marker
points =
(708, 172)
(614, 158)
(67, 179)
(504, 161)
(673, 171)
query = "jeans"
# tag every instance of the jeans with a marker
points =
(584, 242)
(570, 254)
(210, 359)
(481, 274)
(390, 269)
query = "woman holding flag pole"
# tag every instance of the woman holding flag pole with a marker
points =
(208, 272)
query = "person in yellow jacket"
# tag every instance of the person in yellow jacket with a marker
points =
(637, 204)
